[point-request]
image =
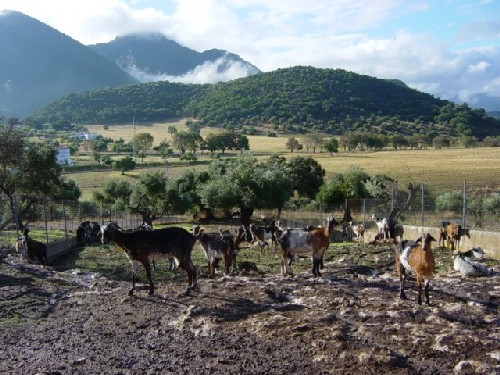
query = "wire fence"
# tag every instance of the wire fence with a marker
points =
(60, 220)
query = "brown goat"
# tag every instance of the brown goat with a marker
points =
(418, 258)
(357, 231)
(454, 233)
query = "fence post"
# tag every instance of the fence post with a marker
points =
(16, 215)
(464, 205)
(46, 224)
(422, 199)
(64, 218)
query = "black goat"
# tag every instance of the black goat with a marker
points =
(141, 245)
(36, 249)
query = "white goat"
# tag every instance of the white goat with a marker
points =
(465, 264)
(383, 227)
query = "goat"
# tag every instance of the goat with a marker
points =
(36, 249)
(465, 264)
(231, 241)
(357, 231)
(383, 227)
(141, 245)
(172, 264)
(398, 232)
(87, 232)
(416, 257)
(21, 248)
(443, 233)
(215, 246)
(262, 234)
(454, 233)
(313, 243)
(474, 252)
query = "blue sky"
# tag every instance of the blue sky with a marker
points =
(449, 48)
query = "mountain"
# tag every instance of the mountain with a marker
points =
(39, 65)
(297, 99)
(153, 57)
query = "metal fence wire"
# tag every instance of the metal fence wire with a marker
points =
(420, 210)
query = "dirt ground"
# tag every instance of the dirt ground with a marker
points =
(349, 321)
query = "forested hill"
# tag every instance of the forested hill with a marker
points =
(294, 99)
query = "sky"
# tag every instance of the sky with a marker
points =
(448, 48)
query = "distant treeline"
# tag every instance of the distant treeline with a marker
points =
(294, 100)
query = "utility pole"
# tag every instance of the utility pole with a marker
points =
(133, 139)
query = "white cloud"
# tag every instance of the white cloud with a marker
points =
(221, 70)
(380, 38)
(481, 66)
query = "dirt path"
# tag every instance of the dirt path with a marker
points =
(350, 321)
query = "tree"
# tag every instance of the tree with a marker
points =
(29, 174)
(125, 164)
(313, 141)
(149, 197)
(114, 192)
(306, 175)
(143, 141)
(97, 146)
(293, 144)
(246, 184)
(332, 145)
(342, 186)
(450, 201)
(184, 141)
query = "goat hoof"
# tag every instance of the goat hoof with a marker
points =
(131, 292)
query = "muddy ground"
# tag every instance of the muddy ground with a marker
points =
(350, 321)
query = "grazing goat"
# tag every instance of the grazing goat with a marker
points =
(357, 232)
(383, 227)
(465, 264)
(215, 246)
(141, 245)
(418, 258)
(454, 233)
(303, 242)
(36, 249)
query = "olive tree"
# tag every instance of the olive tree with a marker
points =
(29, 174)
(246, 184)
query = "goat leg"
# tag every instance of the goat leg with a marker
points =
(402, 278)
(147, 266)
(427, 282)
(134, 277)
(419, 287)
(316, 265)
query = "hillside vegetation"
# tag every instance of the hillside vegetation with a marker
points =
(298, 99)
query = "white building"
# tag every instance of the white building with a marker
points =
(85, 136)
(63, 156)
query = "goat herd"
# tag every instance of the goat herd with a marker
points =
(143, 245)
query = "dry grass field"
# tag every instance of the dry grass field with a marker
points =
(444, 169)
